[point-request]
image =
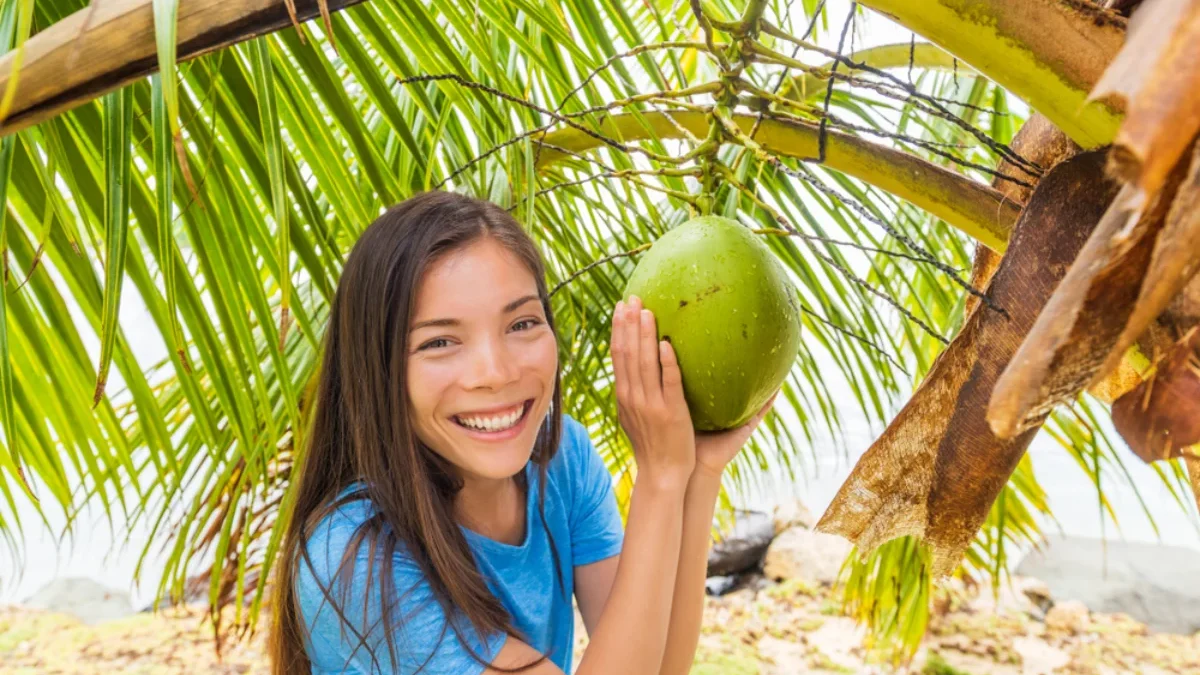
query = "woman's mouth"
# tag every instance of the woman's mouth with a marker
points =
(496, 426)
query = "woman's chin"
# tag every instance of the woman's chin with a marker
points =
(495, 460)
(499, 467)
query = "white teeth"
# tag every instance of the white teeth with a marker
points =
(493, 423)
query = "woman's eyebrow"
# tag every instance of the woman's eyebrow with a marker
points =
(518, 302)
(510, 307)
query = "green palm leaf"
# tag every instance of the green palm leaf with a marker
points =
(292, 148)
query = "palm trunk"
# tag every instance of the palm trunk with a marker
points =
(937, 468)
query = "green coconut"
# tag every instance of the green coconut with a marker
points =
(724, 302)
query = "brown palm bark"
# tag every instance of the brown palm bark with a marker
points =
(1042, 143)
(111, 43)
(938, 467)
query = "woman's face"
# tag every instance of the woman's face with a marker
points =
(481, 360)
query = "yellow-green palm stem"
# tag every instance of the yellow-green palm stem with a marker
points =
(1048, 52)
(972, 207)
(922, 56)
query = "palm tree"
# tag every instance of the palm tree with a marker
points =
(215, 159)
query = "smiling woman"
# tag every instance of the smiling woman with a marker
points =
(447, 512)
(483, 360)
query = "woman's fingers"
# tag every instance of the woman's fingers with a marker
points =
(632, 351)
(619, 353)
(648, 359)
(672, 378)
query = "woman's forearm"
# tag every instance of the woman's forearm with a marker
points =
(687, 607)
(631, 635)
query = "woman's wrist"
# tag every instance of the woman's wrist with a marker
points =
(704, 487)
(706, 474)
(673, 481)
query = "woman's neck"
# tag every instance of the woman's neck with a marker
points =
(493, 508)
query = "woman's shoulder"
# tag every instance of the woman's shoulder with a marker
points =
(577, 463)
(574, 445)
(345, 525)
(329, 537)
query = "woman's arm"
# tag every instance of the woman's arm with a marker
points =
(713, 454)
(687, 606)
(631, 633)
(593, 583)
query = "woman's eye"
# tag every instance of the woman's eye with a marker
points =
(433, 344)
(531, 322)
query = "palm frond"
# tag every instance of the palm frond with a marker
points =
(252, 169)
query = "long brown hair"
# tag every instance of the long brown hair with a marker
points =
(360, 428)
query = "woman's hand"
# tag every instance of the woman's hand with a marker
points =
(650, 403)
(716, 449)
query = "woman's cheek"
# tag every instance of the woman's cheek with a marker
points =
(426, 379)
(545, 355)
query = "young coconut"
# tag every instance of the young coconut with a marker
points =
(724, 302)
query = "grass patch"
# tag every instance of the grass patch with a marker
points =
(936, 665)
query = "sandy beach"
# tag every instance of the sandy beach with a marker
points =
(765, 628)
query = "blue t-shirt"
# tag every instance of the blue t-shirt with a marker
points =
(581, 516)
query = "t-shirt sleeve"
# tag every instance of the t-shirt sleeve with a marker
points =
(356, 640)
(596, 530)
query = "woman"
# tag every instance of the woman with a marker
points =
(447, 511)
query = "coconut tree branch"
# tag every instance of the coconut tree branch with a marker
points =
(822, 137)
(706, 27)
(640, 49)
(629, 175)
(740, 136)
(934, 107)
(596, 263)
(109, 44)
(732, 180)
(832, 119)
(750, 17)
(671, 94)
(923, 55)
(894, 88)
(1049, 52)
(976, 209)
(774, 231)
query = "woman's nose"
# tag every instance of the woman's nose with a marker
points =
(492, 366)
